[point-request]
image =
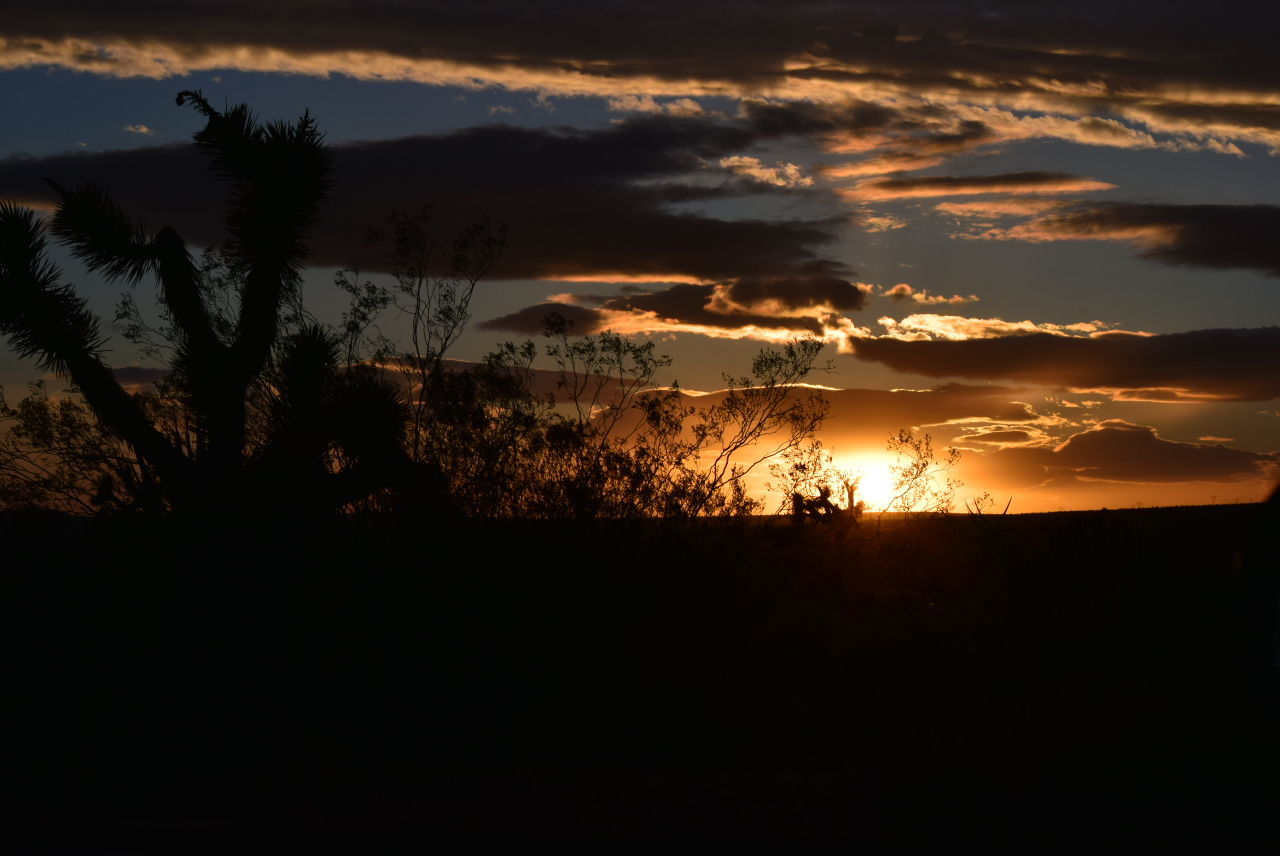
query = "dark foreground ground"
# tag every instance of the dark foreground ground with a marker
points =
(1033, 679)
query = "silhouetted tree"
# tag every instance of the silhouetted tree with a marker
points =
(55, 455)
(433, 281)
(922, 478)
(609, 443)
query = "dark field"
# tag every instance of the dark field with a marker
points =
(1033, 678)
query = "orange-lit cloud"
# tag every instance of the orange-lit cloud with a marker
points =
(643, 103)
(951, 185)
(781, 174)
(772, 309)
(1015, 206)
(928, 327)
(881, 165)
(1006, 125)
(904, 292)
(1196, 115)
(881, 222)
(1002, 438)
(1022, 70)
(606, 276)
(910, 135)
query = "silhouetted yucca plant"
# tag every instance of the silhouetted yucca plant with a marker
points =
(262, 411)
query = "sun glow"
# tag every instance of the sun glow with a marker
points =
(875, 479)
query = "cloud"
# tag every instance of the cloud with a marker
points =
(885, 137)
(1116, 450)
(781, 294)
(951, 185)
(881, 164)
(837, 122)
(579, 203)
(928, 327)
(139, 129)
(1200, 365)
(1218, 123)
(1000, 438)
(1012, 125)
(1019, 69)
(1210, 236)
(776, 308)
(781, 174)
(862, 418)
(1113, 454)
(904, 292)
(1014, 206)
(881, 223)
(641, 103)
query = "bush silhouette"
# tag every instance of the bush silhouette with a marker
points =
(608, 442)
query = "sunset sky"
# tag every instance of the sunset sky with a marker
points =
(1049, 238)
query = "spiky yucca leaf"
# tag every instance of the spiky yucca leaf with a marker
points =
(369, 417)
(108, 241)
(42, 318)
(279, 174)
(47, 321)
(101, 234)
(306, 365)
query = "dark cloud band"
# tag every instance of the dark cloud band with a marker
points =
(1239, 365)
(578, 203)
(1209, 236)
(1119, 451)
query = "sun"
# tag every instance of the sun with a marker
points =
(876, 482)
(876, 489)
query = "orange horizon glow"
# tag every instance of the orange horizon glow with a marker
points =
(877, 489)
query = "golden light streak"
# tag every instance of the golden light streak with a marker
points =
(881, 189)
(606, 277)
